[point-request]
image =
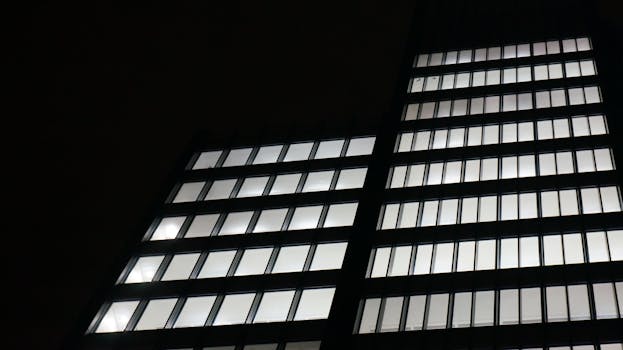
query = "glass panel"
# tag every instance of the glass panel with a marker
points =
(391, 314)
(490, 135)
(478, 78)
(462, 80)
(234, 309)
(492, 104)
(527, 166)
(530, 305)
(274, 306)
(547, 164)
(509, 306)
(437, 311)
(447, 82)
(545, 130)
(556, 304)
(285, 184)
(526, 132)
(449, 208)
(549, 204)
(329, 149)
(422, 140)
(195, 312)
(597, 246)
(117, 317)
(237, 157)
(168, 228)
(555, 70)
(597, 125)
(542, 99)
(314, 304)
(409, 215)
(412, 111)
(270, 220)
(576, 96)
(318, 181)
(474, 136)
(328, 256)
(509, 167)
(207, 160)
(605, 304)
(489, 169)
(459, 107)
(558, 98)
(253, 187)
(456, 137)
(574, 253)
(428, 110)
(390, 216)
(267, 154)
(603, 159)
(484, 303)
(360, 146)
(561, 128)
(444, 254)
(587, 67)
(423, 259)
(180, 267)
(572, 69)
(564, 162)
(485, 255)
(552, 250)
(610, 201)
(465, 259)
(217, 264)
(462, 311)
(305, 218)
(439, 140)
(477, 105)
(291, 259)
(509, 133)
(578, 298)
(400, 264)
(538, 49)
(509, 208)
(156, 314)
(487, 210)
(590, 201)
(509, 253)
(580, 126)
(253, 261)
(188, 192)
(510, 75)
(469, 210)
(369, 315)
(236, 223)
(429, 213)
(351, 178)
(493, 77)
(340, 215)
(298, 151)
(452, 173)
(527, 206)
(615, 242)
(509, 103)
(144, 269)
(415, 312)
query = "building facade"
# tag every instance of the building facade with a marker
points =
(485, 213)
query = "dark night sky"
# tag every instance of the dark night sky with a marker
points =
(111, 97)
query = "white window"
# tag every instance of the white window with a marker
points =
(117, 317)
(590, 200)
(328, 256)
(459, 107)
(391, 314)
(485, 255)
(610, 201)
(605, 304)
(168, 228)
(437, 311)
(221, 189)
(144, 269)
(217, 264)
(156, 314)
(592, 94)
(556, 304)
(340, 215)
(274, 306)
(578, 299)
(236, 223)
(270, 220)
(381, 261)
(509, 306)
(267, 154)
(207, 160)
(615, 242)
(351, 178)
(291, 259)
(449, 208)
(202, 225)
(400, 264)
(597, 246)
(234, 309)
(462, 311)
(252, 187)
(509, 253)
(484, 303)
(409, 215)
(285, 184)
(253, 261)
(188, 192)
(487, 209)
(180, 267)
(415, 312)
(552, 250)
(369, 315)
(305, 217)
(538, 49)
(412, 111)
(574, 253)
(360, 146)
(466, 256)
(530, 305)
(237, 157)
(423, 259)
(390, 216)
(314, 304)
(318, 181)
(429, 213)
(444, 253)
(529, 252)
(195, 312)
(568, 202)
(527, 206)
(329, 149)
(298, 151)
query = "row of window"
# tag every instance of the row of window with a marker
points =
(528, 205)
(491, 307)
(491, 134)
(217, 310)
(490, 254)
(255, 186)
(306, 345)
(508, 75)
(508, 167)
(241, 262)
(266, 220)
(506, 52)
(348, 147)
(503, 103)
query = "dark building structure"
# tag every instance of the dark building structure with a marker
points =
(484, 212)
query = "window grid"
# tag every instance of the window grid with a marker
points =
(500, 207)
(215, 310)
(254, 221)
(503, 103)
(495, 53)
(499, 168)
(297, 151)
(226, 263)
(479, 308)
(499, 253)
(506, 75)
(513, 132)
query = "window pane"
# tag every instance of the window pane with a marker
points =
(492, 104)
(564, 162)
(590, 201)
(462, 311)
(381, 262)
(540, 72)
(443, 257)
(615, 242)
(480, 55)
(422, 140)
(592, 94)
(253, 261)
(314, 304)
(587, 67)
(491, 135)
(298, 151)
(542, 99)
(485, 255)
(423, 259)
(474, 136)
(270, 220)
(329, 149)
(452, 173)
(605, 304)
(351, 178)
(545, 130)
(578, 298)
(285, 184)
(509, 306)
(390, 216)
(509, 253)
(527, 166)
(188, 192)
(253, 187)
(340, 215)
(484, 307)
(144, 269)
(439, 140)
(527, 206)
(510, 75)
(477, 105)
(549, 204)
(429, 213)
(360, 146)
(207, 160)
(195, 312)
(156, 314)
(597, 125)
(478, 78)
(428, 110)
(555, 70)
(558, 98)
(568, 45)
(117, 317)
(236, 223)
(465, 259)
(274, 306)
(447, 82)
(561, 128)
(489, 169)
(572, 69)
(568, 202)
(493, 77)
(526, 132)
(552, 250)
(556, 304)
(509, 133)
(369, 315)
(318, 181)
(487, 210)
(391, 314)
(237, 157)
(415, 312)
(462, 80)
(553, 47)
(405, 140)
(437, 311)
(180, 267)
(610, 201)
(234, 309)
(469, 210)
(465, 56)
(417, 84)
(400, 264)
(267, 154)
(412, 111)
(168, 228)
(576, 96)
(328, 256)
(217, 264)
(603, 159)
(494, 53)
(449, 208)
(456, 137)
(509, 103)
(409, 214)
(530, 305)
(574, 253)
(305, 218)
(509, 167)
(547, 164)
(291, 259)
(580, 126)
(538, 49)
(459, 107)
(509, 208)
(597, 246)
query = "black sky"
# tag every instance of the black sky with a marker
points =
(112, 96)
